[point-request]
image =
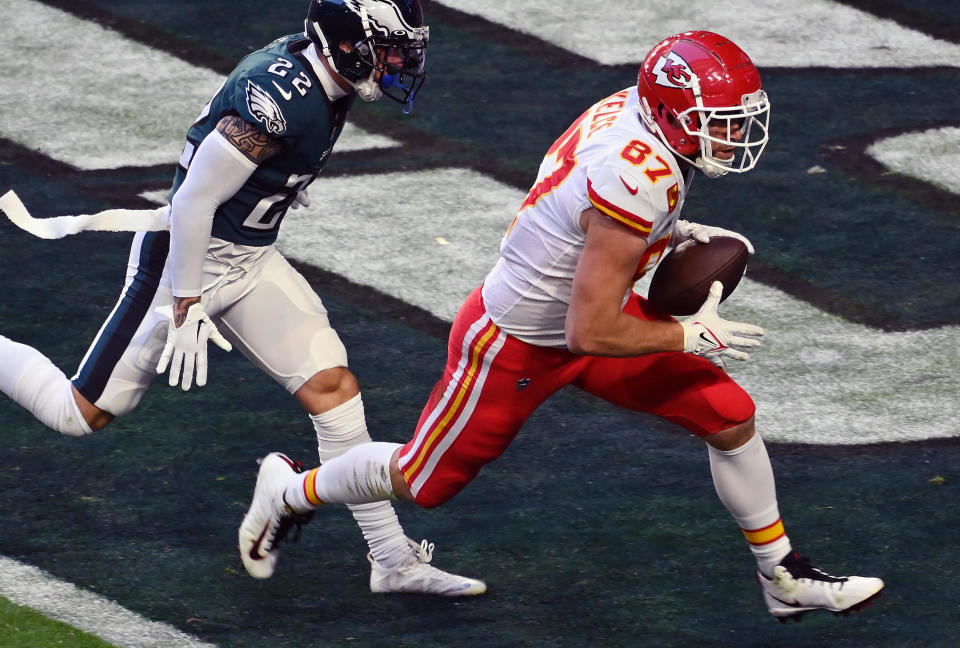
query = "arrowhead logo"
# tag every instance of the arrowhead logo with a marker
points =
(673, 72)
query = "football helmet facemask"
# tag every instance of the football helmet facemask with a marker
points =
(698, 89)
(387, 40)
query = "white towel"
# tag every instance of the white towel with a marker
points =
(111, 220)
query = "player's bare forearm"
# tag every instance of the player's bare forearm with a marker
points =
(642, 337)
(622, 335)
(180, 307)
(249, 140)
(596, 323)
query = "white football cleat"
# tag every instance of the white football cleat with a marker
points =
(419, 577)
(797, 588)
(269, 519)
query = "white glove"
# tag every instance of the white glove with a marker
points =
(706, 334)
(187, 345)
(685, 230)
(302, 200)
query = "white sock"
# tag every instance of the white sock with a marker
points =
(338, 430)
(31, 380)
(361, 475)
(744, 481)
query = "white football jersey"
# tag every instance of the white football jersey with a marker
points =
(608, 160)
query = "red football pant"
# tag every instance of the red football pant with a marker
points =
(492, 382)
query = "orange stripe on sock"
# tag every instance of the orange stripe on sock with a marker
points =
(766, 534)
(310, 488)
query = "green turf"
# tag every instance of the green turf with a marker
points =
(841, 234)
(597, 528)
(22, 627)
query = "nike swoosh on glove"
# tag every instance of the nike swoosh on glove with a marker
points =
(707, 334)
(685, 230)
(187, 345)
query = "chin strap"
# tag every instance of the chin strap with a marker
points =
(327, 54)
(368, 89)
(710, 168)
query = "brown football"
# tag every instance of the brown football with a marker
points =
(682, 280)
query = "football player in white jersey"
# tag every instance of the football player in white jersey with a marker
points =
(258, 143)
(558, 309)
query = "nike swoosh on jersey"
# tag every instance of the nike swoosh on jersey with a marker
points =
(633, 190)
(286, 95)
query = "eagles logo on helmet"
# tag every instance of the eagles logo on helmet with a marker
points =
(698, 79)
(378, 46)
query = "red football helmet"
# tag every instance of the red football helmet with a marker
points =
(698, 79)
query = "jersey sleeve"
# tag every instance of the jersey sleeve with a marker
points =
(259, 100)
(625, 193)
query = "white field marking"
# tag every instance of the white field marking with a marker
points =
(820, 379)
(362, 228)
(933, 156)
(38, 590)
(817, 378)
(398, 254)
(99, 100)
(820, 33)
(775, 33)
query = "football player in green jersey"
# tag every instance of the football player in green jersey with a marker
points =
(216, 275)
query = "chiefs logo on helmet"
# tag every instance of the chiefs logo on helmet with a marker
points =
(673, 72)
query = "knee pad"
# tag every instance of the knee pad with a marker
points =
(327, 350)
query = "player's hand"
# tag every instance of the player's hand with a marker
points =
(685, 230)
(302, 200)
(187, 345)
(707, 334)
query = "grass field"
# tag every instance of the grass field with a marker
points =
(21, 627)
(597, 527)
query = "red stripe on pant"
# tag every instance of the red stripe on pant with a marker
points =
(440, 421)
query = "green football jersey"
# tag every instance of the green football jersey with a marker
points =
(276, 89)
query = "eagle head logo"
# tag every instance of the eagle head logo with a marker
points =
(264, 109)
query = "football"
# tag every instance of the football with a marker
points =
(682, 280)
